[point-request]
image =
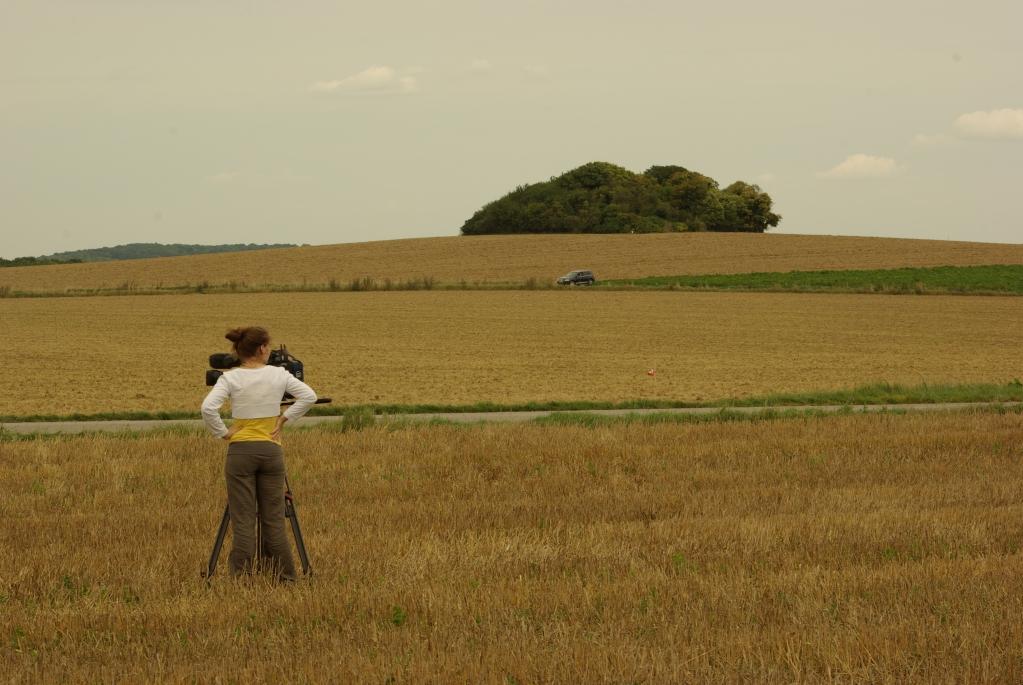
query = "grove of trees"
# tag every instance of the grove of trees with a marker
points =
(604, 198)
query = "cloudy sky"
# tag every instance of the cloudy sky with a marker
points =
(330, 122)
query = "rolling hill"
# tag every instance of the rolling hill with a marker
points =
(517, 258)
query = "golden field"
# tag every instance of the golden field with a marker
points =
(517, 258)
(148, 353)
(847, 549)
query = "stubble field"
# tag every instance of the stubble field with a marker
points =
(517, 258)
(841, 549)
(148, 353)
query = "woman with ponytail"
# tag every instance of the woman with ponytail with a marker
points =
(255, 462)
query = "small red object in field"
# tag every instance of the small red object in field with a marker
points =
(651, 372)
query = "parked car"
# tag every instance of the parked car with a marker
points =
(577, 278)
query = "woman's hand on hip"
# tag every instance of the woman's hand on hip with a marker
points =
(275, 434)
(231, 431)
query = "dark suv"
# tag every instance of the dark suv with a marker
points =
(577, 278)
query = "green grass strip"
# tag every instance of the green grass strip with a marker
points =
(1002, 279)
(586, 420)
(873, 393)
(581, 420)
(888, 393)
(941, 280)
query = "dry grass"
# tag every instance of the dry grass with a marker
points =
(846, 549)
(518, 258)
(149, 353)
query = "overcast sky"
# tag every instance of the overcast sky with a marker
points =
(227, 122)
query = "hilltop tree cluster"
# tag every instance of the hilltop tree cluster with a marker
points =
(605, 198)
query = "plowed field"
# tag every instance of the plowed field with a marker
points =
(517, 258)
(149, 352)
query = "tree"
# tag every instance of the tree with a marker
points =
(604, 198)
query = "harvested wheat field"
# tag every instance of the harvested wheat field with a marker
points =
(148, 353)
(840, 549)
(517, 258)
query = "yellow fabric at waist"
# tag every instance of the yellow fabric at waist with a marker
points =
(255, 430)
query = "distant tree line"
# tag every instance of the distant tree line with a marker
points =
(35, 261)
(133, 251)
(605, 198)
(151, 250)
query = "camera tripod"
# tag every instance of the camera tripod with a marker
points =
(296, 531)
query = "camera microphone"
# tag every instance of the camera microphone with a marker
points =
(224, 360)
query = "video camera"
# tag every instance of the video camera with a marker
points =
(224, 361)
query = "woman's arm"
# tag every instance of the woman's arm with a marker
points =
(211, 409)
(304, 398)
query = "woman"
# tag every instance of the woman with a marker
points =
(255, 462)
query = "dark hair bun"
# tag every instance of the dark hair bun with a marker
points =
(246, 341)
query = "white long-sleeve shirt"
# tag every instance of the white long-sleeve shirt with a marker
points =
(255, 394)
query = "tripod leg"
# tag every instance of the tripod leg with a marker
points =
(257, 562)
(296, 530)
(215, 555)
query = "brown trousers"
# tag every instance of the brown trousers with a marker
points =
(255, 476)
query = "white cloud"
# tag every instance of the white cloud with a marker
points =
(479, 65)
(863, 166)
(937, 140)
(222, 177)
(766, 178)
(998, 124)
(372, 80)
